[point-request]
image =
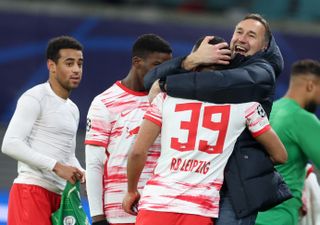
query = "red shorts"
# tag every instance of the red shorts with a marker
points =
(148, 217)
(31, 205)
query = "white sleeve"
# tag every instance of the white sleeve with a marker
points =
(154, 111)
(257, 120)
(99, 126)
(74, 161)
(14, 142)
(95, 158)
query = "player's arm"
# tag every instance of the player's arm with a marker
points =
(148, 133)
(308, 130)
(73, 169)
(96, 144)
(95, 157)
(15, 145)
(273, 146)
(14, 142)
(259, 126)
(75, 162)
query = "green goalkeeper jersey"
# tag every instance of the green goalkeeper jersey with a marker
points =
(70, 211)
(299, 131)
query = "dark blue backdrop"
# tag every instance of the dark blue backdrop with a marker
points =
(107, 51)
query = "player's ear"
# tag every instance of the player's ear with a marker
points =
(51, 66)
(264, 48)
(136, 61)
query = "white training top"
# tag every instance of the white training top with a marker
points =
(41, 132)
(113, 122)
(197, 140)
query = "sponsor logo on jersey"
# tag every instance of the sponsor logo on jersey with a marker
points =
(133, 131)
(123, 114)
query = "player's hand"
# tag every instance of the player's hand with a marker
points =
(69, 173)
(154, 91)
(130, 202)
(83, 179)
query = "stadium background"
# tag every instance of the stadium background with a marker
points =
(107, 30)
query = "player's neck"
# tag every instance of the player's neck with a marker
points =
(298, 97)
(133, 83)
(59, 90)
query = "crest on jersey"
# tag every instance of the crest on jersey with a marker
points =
(261, 111)
(69, 220)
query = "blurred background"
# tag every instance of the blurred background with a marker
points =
(108, 28)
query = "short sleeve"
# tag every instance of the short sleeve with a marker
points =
(154, 112)
(98, 124)
(256, 119)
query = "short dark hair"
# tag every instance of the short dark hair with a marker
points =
(149, 43)
(214, 41)
(61, 42)
(263, 21)
(305, 67)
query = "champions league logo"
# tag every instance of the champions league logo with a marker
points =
(88, 124)
(261, 112)
(69, 220)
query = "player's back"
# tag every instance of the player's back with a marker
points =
(197, 140)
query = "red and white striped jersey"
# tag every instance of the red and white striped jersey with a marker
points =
(113, 121)
(197, 139)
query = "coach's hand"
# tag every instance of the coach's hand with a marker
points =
(208, 54)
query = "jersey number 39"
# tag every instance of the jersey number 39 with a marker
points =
(192, 127)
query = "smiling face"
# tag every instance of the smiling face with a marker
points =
(248, 38)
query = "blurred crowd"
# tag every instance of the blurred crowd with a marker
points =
(304, 10)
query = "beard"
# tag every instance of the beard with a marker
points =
(311, 107)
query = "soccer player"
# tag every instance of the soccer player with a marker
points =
(41, 136)
(299, 131)
(114, 120)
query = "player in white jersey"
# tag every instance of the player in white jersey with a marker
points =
(113, 122)
(41, 136)
(197, 139)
